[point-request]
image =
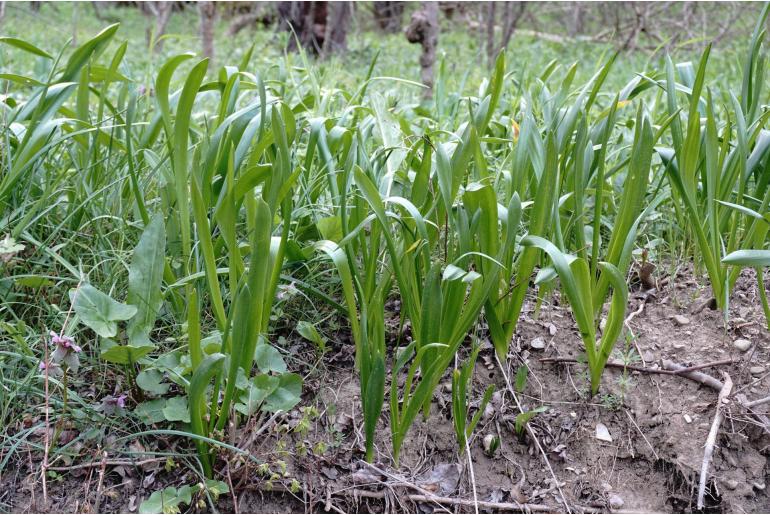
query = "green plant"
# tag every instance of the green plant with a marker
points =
(581, 291)
(461, 382)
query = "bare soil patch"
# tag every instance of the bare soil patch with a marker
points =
(657, 424)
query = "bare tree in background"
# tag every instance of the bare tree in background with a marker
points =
(321, 28)
(161, 12)
(208, 12)
(2, 11)
(513, 12)
(259, 13)
(388, 15)
(338, 19)
(306, 20)
(423, 29)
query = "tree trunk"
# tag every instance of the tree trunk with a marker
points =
(255, 15)
(491, 11)
(423, 29)
(307, 22)
(513, 12)
(161, 12)
(388, 15)
(337, 24)
(208, 11)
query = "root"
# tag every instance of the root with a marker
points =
(712, 438)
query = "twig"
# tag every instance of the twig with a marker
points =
(46, 442)
(110, 463)
(102, 467)
(505, 507)
(757, 402)
(712, 437)
(641, 433)
(473, 477)
(532, 434)
(669, 368)
(693, 374)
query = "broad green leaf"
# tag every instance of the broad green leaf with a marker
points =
(749, 258)
(268, 359)
(309, 332)
(99, 311)
(286, 395)
(145, 276)
(24, 45)
(151, 412)
(259, 388)
(151, 380)
(176, 409)
(126, 354)
(330, 228)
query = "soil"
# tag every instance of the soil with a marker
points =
(658, 425)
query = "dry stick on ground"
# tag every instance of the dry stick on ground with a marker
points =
(712, 437)
(531, 433)
(111, 463)
(102, 467)
(46, 442)
(505, 507)
(669, 368)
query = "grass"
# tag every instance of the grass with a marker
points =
(175, 199)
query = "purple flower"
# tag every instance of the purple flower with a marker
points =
(53, 369)
(111, 404)
(66, 351)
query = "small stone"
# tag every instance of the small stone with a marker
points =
(687, 418)
(679, 345)
(616, 502)
(551, 329)
(602, 323)
(758, 485)
(742, 344)
(602, 433)
(680, 320)
(731, 484)
(538, 343)
(757, 371)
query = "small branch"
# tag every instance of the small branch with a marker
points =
(757, 402)
(669, 368)
(105, 463)
(712, 438)
(505, 507)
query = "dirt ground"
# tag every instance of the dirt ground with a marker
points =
(657, 425)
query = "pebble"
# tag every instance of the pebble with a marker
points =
(687, 418)
(538, 343)
(616, 502)
(757, 371)
(680, 320)
(602, 433)
(731, 484)
(758, 485)
(742, 344)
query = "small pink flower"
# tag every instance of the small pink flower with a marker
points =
(66, 351)
(53, 369)
(110, 404)
(64, 341)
